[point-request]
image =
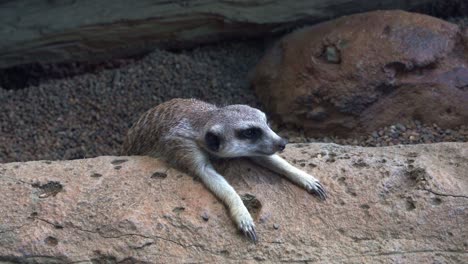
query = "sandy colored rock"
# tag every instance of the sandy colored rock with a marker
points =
(361, 72)
(404, 204)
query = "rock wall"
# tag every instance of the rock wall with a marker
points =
(55, 31)
(402, 204)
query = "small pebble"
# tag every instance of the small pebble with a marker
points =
(205, 216)
(401, 127)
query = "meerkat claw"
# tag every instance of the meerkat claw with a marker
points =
(322, 192)
(249, 231)
(318, 189)
(251, 234)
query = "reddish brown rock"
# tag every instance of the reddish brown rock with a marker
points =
(402, 204)
(360, 72)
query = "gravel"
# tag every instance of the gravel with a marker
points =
(398, 134)
(86, 113)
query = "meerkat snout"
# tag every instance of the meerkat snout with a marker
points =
(281, 145)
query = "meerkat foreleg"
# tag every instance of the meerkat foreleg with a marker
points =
(216, 183)
(301, 178)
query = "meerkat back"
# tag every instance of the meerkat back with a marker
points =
(177, 116)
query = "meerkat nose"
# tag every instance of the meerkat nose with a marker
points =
(282, 144)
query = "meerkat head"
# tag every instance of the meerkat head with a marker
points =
(240, 131)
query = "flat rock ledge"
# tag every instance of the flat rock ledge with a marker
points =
(400, 204)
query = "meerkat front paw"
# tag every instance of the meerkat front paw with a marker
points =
(248, 228)
(313, 186)
(246, 224)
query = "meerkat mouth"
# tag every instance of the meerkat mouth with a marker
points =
(263, 153)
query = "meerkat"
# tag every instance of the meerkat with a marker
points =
(188, 133)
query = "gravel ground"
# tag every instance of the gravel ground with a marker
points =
(82, 115)
(88, 115)
(412, 133)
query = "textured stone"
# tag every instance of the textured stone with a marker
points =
(401, 204)
(386, 67)
(55, 31)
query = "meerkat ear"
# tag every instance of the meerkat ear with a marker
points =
(212, 141)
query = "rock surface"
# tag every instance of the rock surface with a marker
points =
(401, 204)
(55, 31)
(361, 72)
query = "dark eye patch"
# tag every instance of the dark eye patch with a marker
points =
(212, 141)
(252, 133)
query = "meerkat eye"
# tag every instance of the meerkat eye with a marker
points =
(250, 133)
